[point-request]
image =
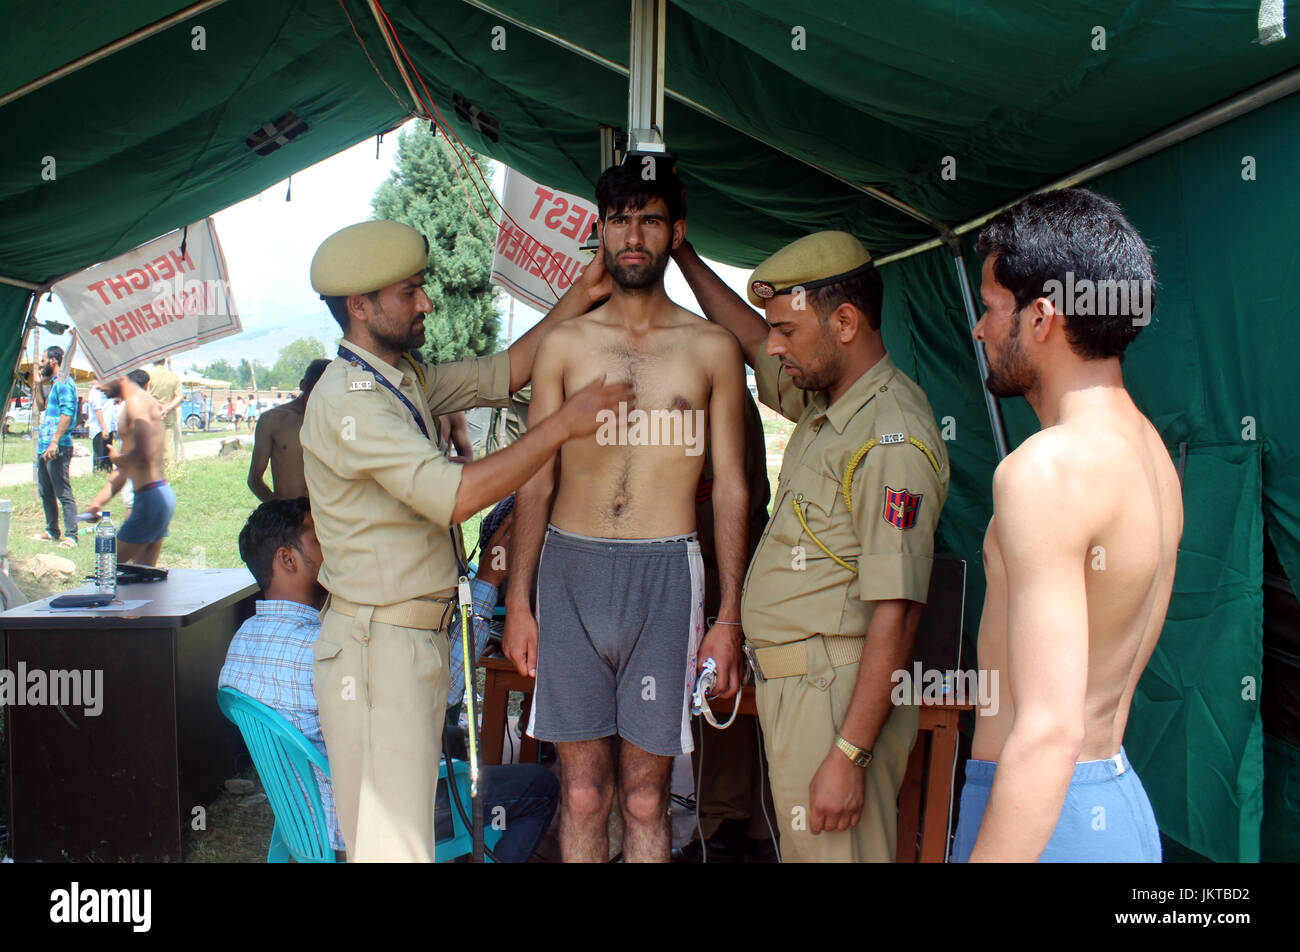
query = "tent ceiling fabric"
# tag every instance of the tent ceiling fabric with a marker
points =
(153, 135)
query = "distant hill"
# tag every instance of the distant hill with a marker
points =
(262, 344)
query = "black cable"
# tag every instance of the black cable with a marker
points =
(455, 792)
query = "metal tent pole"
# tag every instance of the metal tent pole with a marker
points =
(609, 64)
(1239, 105)
(968, 302)
(129, 40)
(645, 86)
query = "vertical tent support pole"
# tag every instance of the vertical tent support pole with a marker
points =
(22, 352)
(645, 86)
(968, 301)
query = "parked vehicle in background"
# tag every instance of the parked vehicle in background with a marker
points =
(194, 411)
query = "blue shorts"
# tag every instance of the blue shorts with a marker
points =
(1106, 817)
(150, 516)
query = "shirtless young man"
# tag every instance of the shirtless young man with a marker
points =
(1081, 550)
(140, 459)
(277, 443)
(620, 580)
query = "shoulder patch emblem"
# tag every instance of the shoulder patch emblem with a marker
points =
(361, 382)
(901, 507)
(892, 437)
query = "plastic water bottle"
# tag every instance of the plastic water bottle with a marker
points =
(105, 556)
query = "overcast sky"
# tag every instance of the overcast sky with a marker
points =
(268, 244)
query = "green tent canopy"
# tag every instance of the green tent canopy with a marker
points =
(897, 122)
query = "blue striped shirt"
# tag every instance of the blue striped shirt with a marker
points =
(270, 660)
(61, 402)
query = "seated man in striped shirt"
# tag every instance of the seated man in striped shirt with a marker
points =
(270, 660)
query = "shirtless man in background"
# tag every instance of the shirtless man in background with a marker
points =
(1080, 552)
(277, 443)
(620, 580)
(140, 459)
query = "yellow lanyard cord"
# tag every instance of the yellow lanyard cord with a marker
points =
(846, 490)
(468, 664)
(798, 511)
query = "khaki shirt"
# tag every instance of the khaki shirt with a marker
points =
(382, 493)
(163, 385)
(793, 589)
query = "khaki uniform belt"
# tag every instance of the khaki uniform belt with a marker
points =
(787, 661)
(429, 614)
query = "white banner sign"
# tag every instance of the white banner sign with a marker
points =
(537, 256)
(152, 301)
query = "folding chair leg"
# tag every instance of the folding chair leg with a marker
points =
(279, 851)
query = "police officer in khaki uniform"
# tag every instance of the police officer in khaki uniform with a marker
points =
(834, 593)
(384, 500)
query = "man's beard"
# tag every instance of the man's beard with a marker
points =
(411, 339)
(47, 371)
(826, 368)
(1015, 376)
(636, 278)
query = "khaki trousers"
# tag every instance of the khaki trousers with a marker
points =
(800, 717)
(171, 438)
(382, 691)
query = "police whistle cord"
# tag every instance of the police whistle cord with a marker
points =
(467, 660)
(846, 484)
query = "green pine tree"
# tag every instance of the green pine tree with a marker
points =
(425, 193)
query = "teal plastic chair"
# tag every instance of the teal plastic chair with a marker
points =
(282, 755)
(284, 761)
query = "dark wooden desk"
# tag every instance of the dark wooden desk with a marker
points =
(123, 784)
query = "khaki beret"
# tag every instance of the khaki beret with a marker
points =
(363, 258)
(813, 261)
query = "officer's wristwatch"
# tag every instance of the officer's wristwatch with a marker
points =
(859, 756)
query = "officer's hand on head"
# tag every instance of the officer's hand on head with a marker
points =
(836, 794)
(520, 642)
(581, 411)
(595, 279)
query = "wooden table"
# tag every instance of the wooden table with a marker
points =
(923, 801)
(121, 785)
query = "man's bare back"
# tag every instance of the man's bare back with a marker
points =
(618, 483)
(1117, 496)
(278, 442)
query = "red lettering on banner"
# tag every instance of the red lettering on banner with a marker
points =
(138, 321)
(117, 284)
(576, 219)
(557, 213)
(124, 326)
(98, 331)
(142, 283)
(154, 320)
(98, 288)
(543, 195)
(182, 263)
(553, 267)
(166, 270)
(538, 260)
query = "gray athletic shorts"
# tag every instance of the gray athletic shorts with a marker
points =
(619, 621)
